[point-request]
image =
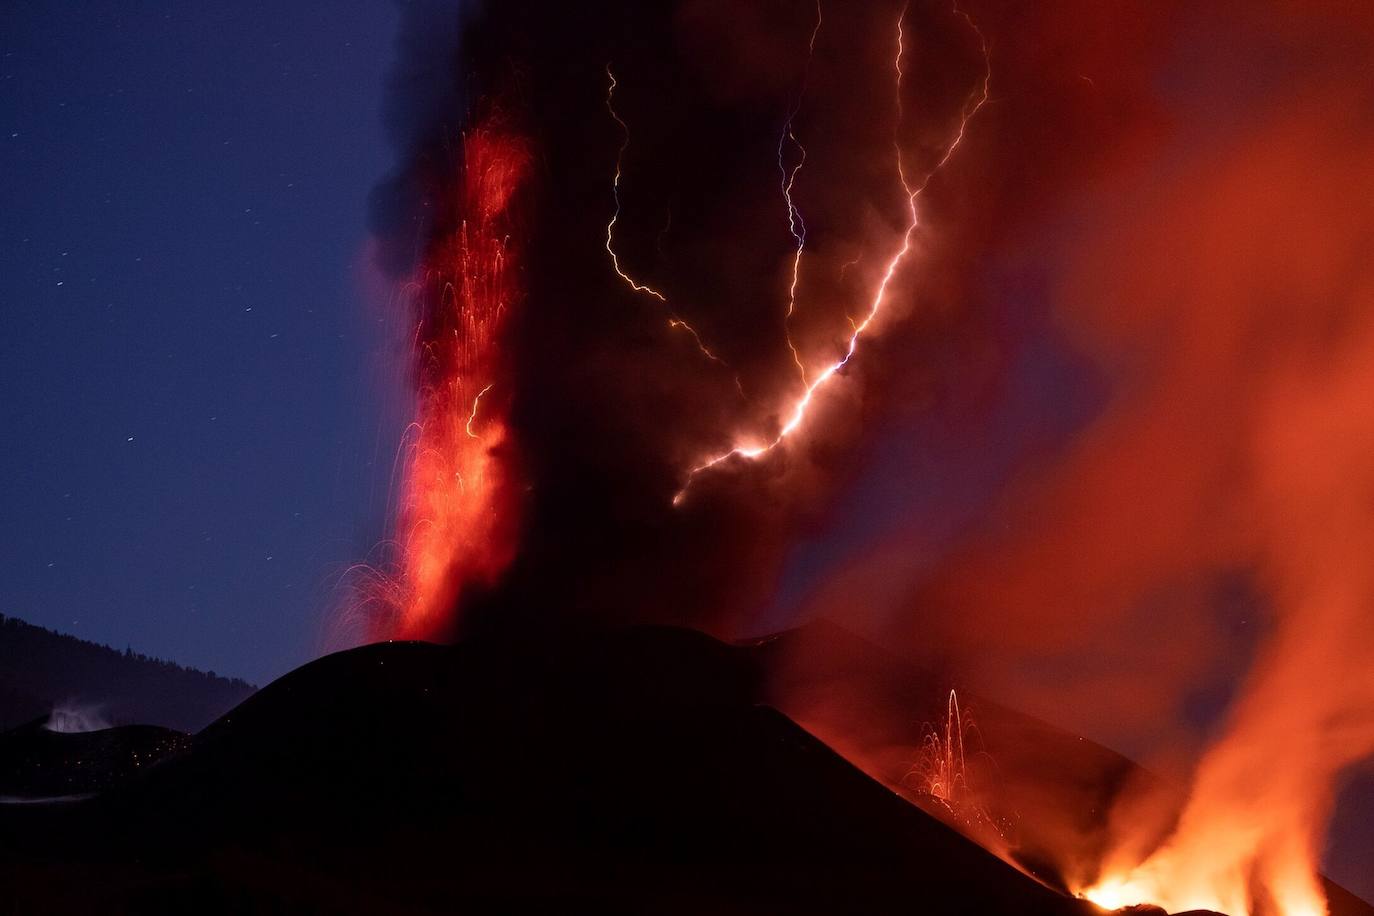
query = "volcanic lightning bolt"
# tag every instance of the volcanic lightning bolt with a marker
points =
(800, 408)
(795, 224)
(675, 321)
(472, 417)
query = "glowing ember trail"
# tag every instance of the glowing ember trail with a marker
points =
(454, 518)
(802, 405)
(942, 772)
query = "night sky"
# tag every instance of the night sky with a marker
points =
(195, 387)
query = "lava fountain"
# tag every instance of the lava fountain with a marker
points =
(455, 518)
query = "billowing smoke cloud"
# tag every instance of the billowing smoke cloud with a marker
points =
(1131, 343)
(426, 105)
(1269, 307)
(614, 401)
(1215, 505)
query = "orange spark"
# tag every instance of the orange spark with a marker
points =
(942, 773)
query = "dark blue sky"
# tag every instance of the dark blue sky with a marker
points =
(194, 387)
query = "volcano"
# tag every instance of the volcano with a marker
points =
(1033, 342)
(638, 770)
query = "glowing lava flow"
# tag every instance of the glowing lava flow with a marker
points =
(674, 320)
(800, 408)
(457, 527)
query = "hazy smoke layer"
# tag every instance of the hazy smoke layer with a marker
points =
(1124, 376)
(615, 399)
(1217, 283)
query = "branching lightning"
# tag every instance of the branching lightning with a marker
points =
(675, 321)
(797, 414)
(795, 223)
(473, 416)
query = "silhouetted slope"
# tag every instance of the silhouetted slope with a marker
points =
(1053, 791)
(40, 670)
(629, 773)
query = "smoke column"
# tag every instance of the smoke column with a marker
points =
(617, 387)
(1120, 366)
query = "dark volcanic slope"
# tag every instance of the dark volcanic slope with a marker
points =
(1051, 790)
(627, 772)
(631, 772)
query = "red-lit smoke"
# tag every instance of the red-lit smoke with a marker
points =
(1190, 235)
(1219, 286)
(815, 379)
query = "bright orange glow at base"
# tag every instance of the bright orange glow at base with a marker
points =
(1164, 882)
